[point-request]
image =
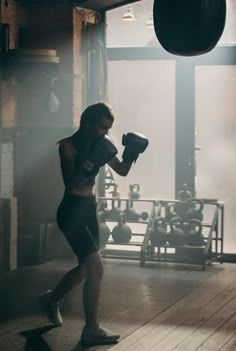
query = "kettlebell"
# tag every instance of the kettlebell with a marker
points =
(195, 236)
(170, 212)
(158, 235)
(102, 209)
(129, 212)
(104, 230)
(102, 205)
(131, 215)
(121, 233)
(114, 213)
(115, 192)
(134, 191)
(183, 196)
(176, 235)
(195, 207)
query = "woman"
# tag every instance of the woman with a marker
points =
(81, 156)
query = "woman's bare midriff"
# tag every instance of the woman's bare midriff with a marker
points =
(85, 191)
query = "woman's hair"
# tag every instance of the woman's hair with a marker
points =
(94, 113)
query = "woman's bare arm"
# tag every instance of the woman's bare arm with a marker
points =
(120, 167)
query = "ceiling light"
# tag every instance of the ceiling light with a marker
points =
(129, 15)
(149, 22)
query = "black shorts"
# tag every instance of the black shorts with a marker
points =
(77, 219)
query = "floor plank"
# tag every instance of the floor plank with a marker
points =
(179, 314)
(220, 337)
(158, 306)
(197, 336)
(230, 345)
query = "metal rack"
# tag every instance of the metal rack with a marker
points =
(140, 247)
(130, 250)
(212, 251)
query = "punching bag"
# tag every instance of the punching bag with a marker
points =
(189, 27)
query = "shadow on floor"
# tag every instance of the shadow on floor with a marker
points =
(80, 347)
(34, 339)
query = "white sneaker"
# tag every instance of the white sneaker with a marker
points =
(51, 308)
(98, 336)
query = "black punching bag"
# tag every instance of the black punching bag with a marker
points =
(189, 27)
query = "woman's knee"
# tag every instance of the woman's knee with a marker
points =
(94, 265)
(79, 270)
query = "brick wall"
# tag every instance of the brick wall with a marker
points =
(77, 68)
(8, 96)
(16, 16)
(24, 103)
(8, 234)
(50, 27)
(55, 26)
(6, 161)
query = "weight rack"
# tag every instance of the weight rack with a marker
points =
(144, 251)
(130, 250)
(211, 252)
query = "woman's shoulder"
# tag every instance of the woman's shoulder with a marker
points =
(64, 141)
(66, 145)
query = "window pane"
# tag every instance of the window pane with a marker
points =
(216, 133)
(142, 94)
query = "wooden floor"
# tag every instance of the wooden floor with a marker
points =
(160, 307)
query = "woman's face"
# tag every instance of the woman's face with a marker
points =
(101, 128)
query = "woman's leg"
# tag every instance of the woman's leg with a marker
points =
(91, 290)
(51, 300)
(93, 333)
(70, 280)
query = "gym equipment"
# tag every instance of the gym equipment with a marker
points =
(102, 208)
(115, 192)
(181, 210)
(121, 233)
(184, 194)
(109, 182)
(195, 236)
(54, 102)
(35, 56)
(115, 212)
(135, 144)
(201, 247)
(189, 28)
(158, 235)
(104, 230)
(34, 63)
(131, 215)
(170, 212)
(176, 235)
(134, 191)
(181, 207)
(195, 208)
(101, 151)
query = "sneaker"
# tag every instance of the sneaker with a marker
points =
(52, 308)
(98, 336)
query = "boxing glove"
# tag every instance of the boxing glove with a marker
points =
(102, 150)
(135, 144)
